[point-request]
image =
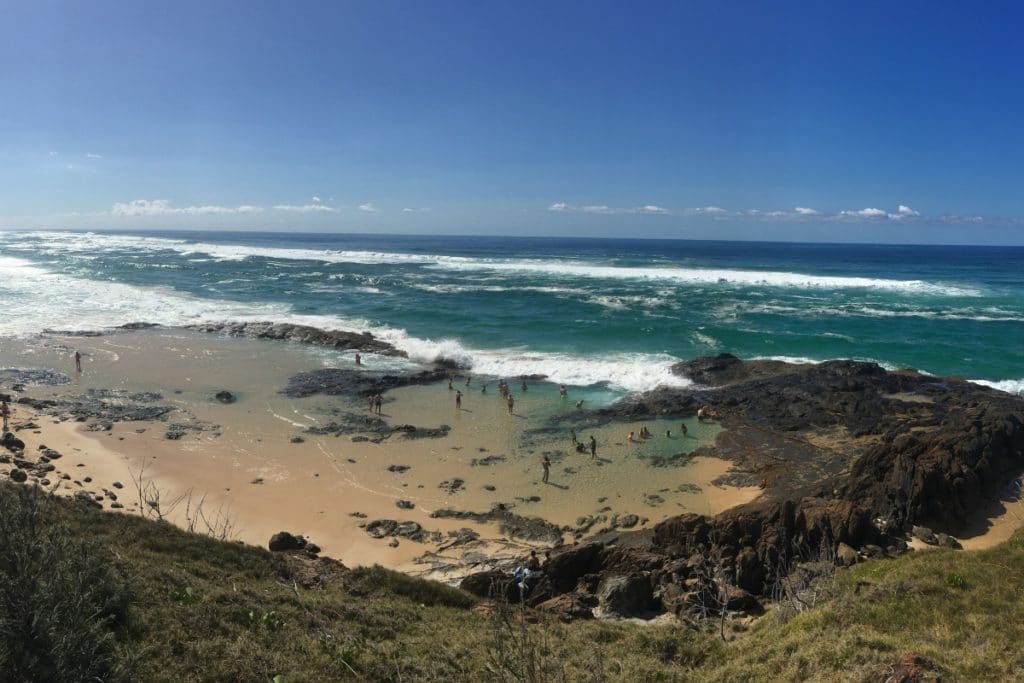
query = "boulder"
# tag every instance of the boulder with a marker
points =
(626, 596)
(924, 534)
(569, 606)
(947, 541)
(225, 396)
(846, 556)
(11, 442)
(750, 572)
(283, 540)
(491, 584)
(379, 528)
(18, 476)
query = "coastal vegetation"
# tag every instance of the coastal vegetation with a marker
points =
(107, 596)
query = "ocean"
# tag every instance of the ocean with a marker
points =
(609, 314)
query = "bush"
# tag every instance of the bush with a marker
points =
(61, 601)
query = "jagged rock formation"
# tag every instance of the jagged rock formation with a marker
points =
(846, 453)
(301, 333)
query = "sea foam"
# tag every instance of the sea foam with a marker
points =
(52, 242)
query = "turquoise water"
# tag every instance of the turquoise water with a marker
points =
(610, 314)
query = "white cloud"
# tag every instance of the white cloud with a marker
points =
(368, 207)
(865, 213)
(714, 210)
(804, 211)
(422, 209)
(907, 212)
(315, 199)
(305, 208)
(90, 155)
(162, 207)
(604, 210)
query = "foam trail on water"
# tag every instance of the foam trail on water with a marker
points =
(40, 299)
(1010, 386)
(88, 242)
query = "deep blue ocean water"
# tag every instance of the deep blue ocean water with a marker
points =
(583, 311)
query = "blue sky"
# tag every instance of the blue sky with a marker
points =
(788, 121)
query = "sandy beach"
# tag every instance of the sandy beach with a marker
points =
(255, 462)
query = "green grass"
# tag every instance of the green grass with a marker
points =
(183, 607)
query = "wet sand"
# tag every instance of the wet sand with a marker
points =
(241, 459)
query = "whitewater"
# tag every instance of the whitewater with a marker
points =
(605, 313)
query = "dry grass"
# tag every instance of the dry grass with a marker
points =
(206, 610)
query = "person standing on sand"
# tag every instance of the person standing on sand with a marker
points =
(78, 361)
(511, 404)
(593, 447)
(5, 410)
(378, 401)
(546, 464)
(458, 400)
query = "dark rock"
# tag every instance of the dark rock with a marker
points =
(947, 541)
(628, 521)
(225, 396)
(11, 442)
(846, 556)
(283, 540)
(381, 527)
(86, 499)
(398, 468)
(490, 584)
(405, 504)
(302, 334)
(30, 376)
(569, 606)
(355, 383)
(488, 460)
(510, 524)
(453, 486)
(925, 534)
(297, 439)
(18, 476)
(626, 596)
(407, 529)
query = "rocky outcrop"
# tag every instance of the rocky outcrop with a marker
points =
(355, 383)
(849, 457)
(284, 541)
(304, 334)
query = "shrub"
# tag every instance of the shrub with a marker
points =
(61, 600)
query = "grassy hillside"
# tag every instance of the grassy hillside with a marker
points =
(113, 597)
